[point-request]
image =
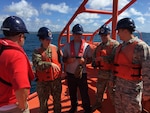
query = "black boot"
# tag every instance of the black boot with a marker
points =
(73, 110)
(88, 110)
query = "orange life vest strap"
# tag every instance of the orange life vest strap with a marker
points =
(72, 49)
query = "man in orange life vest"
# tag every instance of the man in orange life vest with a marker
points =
(75, 56)
(132, 71)
(16, 73)
(103, 59)
(46, 61)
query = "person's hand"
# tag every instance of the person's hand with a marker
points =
(81, 60)
(21, 96)
(55, 67)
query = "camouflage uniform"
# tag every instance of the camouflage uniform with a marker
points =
(47, 88)
(104, 75)
(128, 94)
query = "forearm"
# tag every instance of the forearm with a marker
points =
(21, 96)
(42, 65)
(38, 63)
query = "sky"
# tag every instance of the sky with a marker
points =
(55, 14)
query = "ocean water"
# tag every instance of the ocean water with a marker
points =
(32, 42)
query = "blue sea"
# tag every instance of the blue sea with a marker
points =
(32, 42)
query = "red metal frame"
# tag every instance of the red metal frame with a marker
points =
(115, 12)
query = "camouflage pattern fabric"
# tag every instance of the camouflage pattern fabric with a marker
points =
(47, 88)
(102, 86)
(104, 75)
(110, 57)
(37, 60)
(128, 96)
(129, 93)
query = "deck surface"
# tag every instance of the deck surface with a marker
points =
(65, 100)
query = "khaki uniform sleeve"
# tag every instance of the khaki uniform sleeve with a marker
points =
(38, 64)
(142, 56)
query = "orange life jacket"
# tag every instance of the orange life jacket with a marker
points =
(81, 49)
(8, 44)
(49, 74)
(100, 51)
(123, 66)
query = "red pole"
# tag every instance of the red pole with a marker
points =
(114, 18)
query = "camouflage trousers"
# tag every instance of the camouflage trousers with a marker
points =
(128, 96)
(47, 88)
(102, 86)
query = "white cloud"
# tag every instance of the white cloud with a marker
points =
(86, 18)
(90, 22)
(61, 8)
(122, 3)
(106, 4)
(37, 20)
(141, 19)
(22, 9)
(95, 24)
(99, 4)
(104, 20)
(135, 12)
(47, 22)
(35, 24)
(147, 13)
(2, 17)
(123, 15)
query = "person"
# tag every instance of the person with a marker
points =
(103, 59)
(131, 69)
(75, 56)
(16, 73)
(46, 61)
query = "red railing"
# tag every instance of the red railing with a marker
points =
(65, 33)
